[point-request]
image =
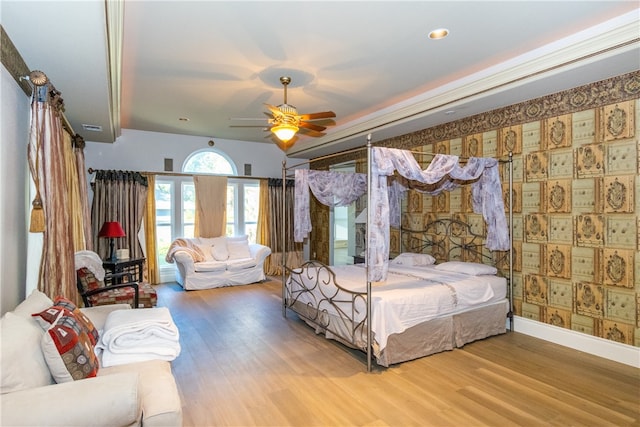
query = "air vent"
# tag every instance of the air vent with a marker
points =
(92, 128)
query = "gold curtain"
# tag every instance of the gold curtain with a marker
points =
(211, 205)
(263, 220)
(152, 272)
(46, 153)
(75, 202)
(83, 190)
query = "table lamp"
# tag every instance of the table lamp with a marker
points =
(111, 230)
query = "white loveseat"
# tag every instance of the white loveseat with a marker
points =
(205, 263)
(141, 393)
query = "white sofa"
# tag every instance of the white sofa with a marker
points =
(205, 263)
(142, 393)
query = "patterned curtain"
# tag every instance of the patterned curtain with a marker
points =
(119, 196)
(274, 223)
(51, 206)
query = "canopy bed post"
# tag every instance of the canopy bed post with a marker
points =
(366, 259)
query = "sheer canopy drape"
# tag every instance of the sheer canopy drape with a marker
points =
(211, 205)
(447, 174)
(330, 188)
(119, 196)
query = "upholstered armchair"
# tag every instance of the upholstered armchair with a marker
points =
(98, 288)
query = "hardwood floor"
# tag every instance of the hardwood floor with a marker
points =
(243, 364)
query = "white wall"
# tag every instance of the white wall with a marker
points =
(14, 184)
(145, 151)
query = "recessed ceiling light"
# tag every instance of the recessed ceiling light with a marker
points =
(440, 33)
(184, 119)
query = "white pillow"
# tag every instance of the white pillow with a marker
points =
(23, 364)
(219, 250)
(238, 249)
(206, 250)
(409, 259)
(470, 268)
(34, 303)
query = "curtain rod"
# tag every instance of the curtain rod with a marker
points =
(37, 79)
(92, 170)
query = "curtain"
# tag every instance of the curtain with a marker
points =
(211, 205)
(330, 188)
(75, 202)
(83, 190)
(46, 156)
(119, 196)
(274, 222)
(152, 273)
(445, 171)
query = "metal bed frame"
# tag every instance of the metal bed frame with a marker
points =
(346, 303)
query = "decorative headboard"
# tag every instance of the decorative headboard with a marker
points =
(449, 239)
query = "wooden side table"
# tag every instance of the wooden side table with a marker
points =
(132, 265)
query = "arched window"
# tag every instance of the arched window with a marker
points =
(209, 161)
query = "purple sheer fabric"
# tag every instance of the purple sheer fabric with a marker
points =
(330, 188)
(444, 173)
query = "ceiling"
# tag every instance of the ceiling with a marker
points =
(370, 62)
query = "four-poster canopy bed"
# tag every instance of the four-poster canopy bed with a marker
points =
(408, 307)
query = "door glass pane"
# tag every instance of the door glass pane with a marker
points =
(188, 208)
(251, 209)
(231, 210)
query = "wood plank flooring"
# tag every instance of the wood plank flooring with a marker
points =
(243, 364)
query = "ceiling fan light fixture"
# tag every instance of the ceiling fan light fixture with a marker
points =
(438, 34)
(284, 131)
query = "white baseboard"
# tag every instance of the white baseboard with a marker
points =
(622, 353)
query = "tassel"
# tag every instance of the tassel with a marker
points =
(37, 216)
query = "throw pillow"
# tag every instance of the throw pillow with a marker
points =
(23, 364)
(87, 324)
(36, 301)
(207, 250)
(238, 249)
(67, 349)
(220, 251)
(413, 260)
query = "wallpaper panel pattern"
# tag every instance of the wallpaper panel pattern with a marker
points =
(576, 197)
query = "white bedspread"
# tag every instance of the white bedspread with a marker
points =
(138, 335)
(413, 295)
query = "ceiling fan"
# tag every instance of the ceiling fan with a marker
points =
(285, 122)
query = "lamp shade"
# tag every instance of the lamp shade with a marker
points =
(285, 131)
(111, 229)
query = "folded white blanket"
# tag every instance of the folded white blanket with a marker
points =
(137, 335)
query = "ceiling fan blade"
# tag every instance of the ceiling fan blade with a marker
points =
(311, 132)
(321, 115)
(274, 110)
(312, 126)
